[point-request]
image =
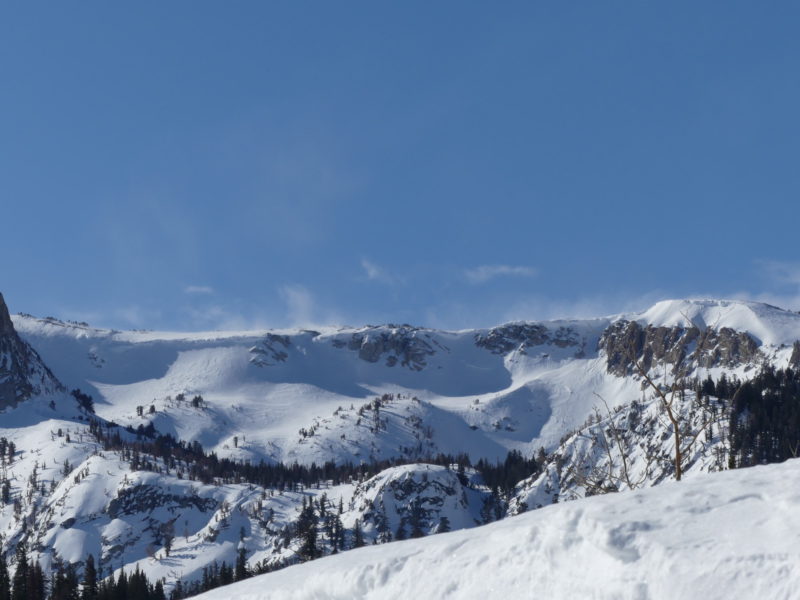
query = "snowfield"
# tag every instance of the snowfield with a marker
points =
(725, 535)
(487, 391)
(375, 393)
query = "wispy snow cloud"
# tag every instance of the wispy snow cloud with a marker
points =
(299, 305)
(377, 273)
(781, 272)
(221, 318)
(782, 283)
(198, 289)
(485, 273)
(537, 307)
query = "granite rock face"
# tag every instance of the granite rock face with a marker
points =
(682, 348)
(407, 346)
(22, 372)
(272, 350)
(524, 336)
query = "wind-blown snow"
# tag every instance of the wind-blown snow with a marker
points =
(261, 388)
(768, 324)
(373, 393)
(720, 536)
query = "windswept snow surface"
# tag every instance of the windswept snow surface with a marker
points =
(260, 389)
(768, 324)
(726, 535)
(297, 395)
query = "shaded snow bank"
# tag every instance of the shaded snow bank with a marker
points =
(725, 535)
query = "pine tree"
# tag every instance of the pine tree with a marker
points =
(444, 525)
(121, 588)
(64, 584)
(415, 518)
(358, 536)
(307, 531)
(177, 591)
(20, 589)
(89, 591)
(241, 565)
(225, 574)
(401, 531)
(5, 581)
(158, 591)
(36, 584)
(71, 583)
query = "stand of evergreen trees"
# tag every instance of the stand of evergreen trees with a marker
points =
(146, 449)
(765, 418)
(31, 583)
(763, 415)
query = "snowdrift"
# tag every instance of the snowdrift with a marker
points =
(726, 535)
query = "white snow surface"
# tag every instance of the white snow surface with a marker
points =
(261, 388)
(768, 324)
(311, 396)
(728, 535)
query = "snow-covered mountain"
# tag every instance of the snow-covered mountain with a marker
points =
(22, 372)
(721, 536)
(307, 395)
(139, 482)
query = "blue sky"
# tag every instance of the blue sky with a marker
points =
(194, 165)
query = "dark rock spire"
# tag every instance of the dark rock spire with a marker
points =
(22, 372)
(6, 326)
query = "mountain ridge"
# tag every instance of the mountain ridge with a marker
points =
(454, 419)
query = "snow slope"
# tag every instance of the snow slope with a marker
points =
(768, 324)
(726, 535)
(263, 388)
(365, 394)
(300, 395)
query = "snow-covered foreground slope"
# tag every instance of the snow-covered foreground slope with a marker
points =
(724, 535)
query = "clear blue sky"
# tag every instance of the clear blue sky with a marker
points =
(201, 165)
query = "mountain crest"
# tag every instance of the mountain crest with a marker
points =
(6, 326)
(22, 372)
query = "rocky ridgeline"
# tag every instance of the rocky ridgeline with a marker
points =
(522, 336)
(22, 372)
(407, 346)
(273, 349)
(147, 498)
(682, 348)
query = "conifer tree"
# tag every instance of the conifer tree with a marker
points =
(444, 525)
(89, 591)
(401, 531)
(21, 581)
(5, 581)
(241, 565)
(158, 591)
(415, 518)
(225, 574)
(358, 536)
(121, 588)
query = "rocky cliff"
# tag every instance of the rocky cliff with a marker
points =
(22, 372)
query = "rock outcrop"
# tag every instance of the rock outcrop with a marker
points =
(682, 348)
(22, 372)
(272, 350)
(406, 345)
(522, 336)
